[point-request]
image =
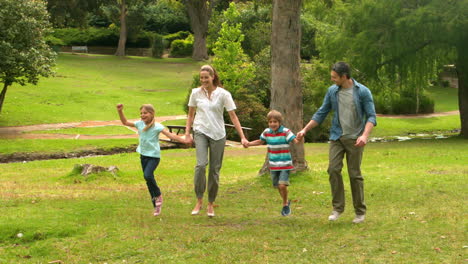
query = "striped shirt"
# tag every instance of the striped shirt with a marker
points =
(278, 148)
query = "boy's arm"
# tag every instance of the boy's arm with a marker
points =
(123, 119)
(296, 141)
(257, 142)
(173, 136)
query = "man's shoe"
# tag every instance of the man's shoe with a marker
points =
(286, 209)
(359, 219)
(334, 216)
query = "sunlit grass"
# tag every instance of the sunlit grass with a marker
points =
(415, 192)
(87, 87)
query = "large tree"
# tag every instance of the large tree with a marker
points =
(123, 28)
(286, 91)
(401, 42)
(72, 13)
(199, 13)
(24, 54)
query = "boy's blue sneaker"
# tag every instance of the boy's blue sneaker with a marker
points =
(286, 209)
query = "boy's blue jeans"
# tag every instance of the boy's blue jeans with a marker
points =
(149, 165)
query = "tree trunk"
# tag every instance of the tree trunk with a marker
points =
(2, 95)
(286, 90)
(199, 12)
(462, 72)
(123, 30)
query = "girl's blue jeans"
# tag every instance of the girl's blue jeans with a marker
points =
(149, 165)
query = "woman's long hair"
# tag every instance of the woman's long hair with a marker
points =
(149, 108)
(213, 73)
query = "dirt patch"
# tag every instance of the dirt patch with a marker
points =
(25, 157)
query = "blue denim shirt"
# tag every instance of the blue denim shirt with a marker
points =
(364, 106)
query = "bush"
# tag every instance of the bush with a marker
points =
(315, 83)
(167, 17)
(171, 37)
(158, 46)
(426, 105)
(143, 40)
(182, 47)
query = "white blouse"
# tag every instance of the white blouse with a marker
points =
(209, 113)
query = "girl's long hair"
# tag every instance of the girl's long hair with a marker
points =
(213, 73)
(150, 109)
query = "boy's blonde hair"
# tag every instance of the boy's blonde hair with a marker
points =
(273, 114)
(150, 109)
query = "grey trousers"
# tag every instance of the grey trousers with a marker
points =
(338, 149)
(207, 147)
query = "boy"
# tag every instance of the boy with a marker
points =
(278, 138)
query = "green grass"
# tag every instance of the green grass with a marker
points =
(446, 98)
(415, 192)
(404, 126)
(103, 130)
(87, 87)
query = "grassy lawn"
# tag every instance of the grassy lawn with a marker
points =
(104, 130)
(446, 98)
(87, 87)
(415, 192)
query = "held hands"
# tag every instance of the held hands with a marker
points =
(245, 143)
(300, 135)
(188, 140)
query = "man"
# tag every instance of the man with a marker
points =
(353, 120)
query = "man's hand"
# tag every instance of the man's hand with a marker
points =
(361, 141)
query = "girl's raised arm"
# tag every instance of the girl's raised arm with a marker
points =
(123, 119)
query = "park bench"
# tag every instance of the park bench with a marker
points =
(177, 129)
(80, 49)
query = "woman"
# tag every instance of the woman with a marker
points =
(206, 107)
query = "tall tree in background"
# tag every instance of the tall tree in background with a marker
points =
(123, 28)
(286, 91)
(72, 13)
(199, 12)
(24, 54)
(401, 42)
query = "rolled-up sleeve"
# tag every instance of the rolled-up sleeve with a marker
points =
(323, 111)
(369, 107)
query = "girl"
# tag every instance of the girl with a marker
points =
(150, 153)
(208, 102)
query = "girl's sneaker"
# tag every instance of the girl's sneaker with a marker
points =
(158, 205)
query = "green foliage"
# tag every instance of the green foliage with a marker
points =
(315, 83)
(255, 22)
(237, 72)
(166, 16)
(171, 37)
(88, 36)
(396, 45)
(24, 53)
(182, 47)
(233, 66)
(308, 33)
(158, 46)
(108, 37)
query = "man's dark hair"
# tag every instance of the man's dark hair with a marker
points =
(342, 68)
